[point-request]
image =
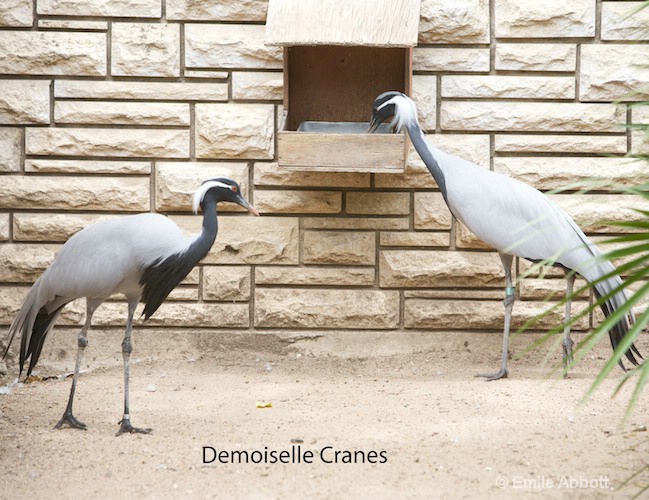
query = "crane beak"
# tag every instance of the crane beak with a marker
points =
(374, 124)
(248, 206)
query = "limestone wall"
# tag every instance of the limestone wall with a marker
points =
(109, 107)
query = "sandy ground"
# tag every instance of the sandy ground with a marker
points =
(414, 401)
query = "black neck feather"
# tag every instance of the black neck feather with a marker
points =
(418, 141)
(163, 275)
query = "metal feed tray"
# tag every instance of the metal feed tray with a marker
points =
(340, 127)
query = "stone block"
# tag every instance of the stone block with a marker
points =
(292, 202)
(24, 102)
(24, 263)
(16, 13)
(413, 239)
(530, 270)
(10, 299)
(207, 73)
(602, 144)
(127, 143)
(244, 239)
(465, 239)
(377, 203)
(441, 314)
(431, 212)
(230, 46)
(551, 289)
(460, 21)
(357, 223)
(226, 283)
(269, 174)
(424, 93)
(150, 91)
(434, 268)
(5, 227)
(52, 227)
(530, 116)
(128, 194)
(339, 248)
(547, 19)
(184, 294)
(325, 309)
(100, 8)
(536, 57)
(640, 142)
(235, 131)
(588, 173)
(176, 183)
(145, 49)
(623, 21)
(450, 59)
(53, 53)
(178, 314)
(230, 10)
(257, 86)
(72, 24)
(595, 212)
(614, 72)
(121, 113)
(456, 294)
(315, 276)
(510, 87)
(11, 145)
(45, 166)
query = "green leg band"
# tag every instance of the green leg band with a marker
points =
(509, 290)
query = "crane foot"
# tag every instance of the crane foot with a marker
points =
(126, 427)
(493, 376)
(69, 419)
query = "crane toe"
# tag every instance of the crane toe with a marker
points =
(71, 421)
(126, 427)
(493, 376)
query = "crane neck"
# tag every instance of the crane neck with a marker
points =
(202, 244)
(419, 142)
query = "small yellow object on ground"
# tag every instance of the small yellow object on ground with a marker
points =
(264, 405)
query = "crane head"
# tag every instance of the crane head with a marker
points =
(221, 189)
(395, 105)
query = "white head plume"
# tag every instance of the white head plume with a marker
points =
(205, 187)
(405, 111)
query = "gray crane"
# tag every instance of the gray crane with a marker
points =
(515, 219)
(142, 256)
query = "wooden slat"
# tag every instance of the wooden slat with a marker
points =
(378, 23)
(342, 152)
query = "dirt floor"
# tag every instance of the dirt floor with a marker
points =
(409, 403)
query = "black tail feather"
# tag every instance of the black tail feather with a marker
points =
(618, 331)
(41, 326)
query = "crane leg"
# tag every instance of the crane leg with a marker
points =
(125, 423)
(82, 341)
(567, 341)
(509, 305)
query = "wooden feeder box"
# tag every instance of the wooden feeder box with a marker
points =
(339, 55)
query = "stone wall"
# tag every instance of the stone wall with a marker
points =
(109, 107)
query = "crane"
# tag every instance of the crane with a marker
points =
(142, 256)
(515, 219)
